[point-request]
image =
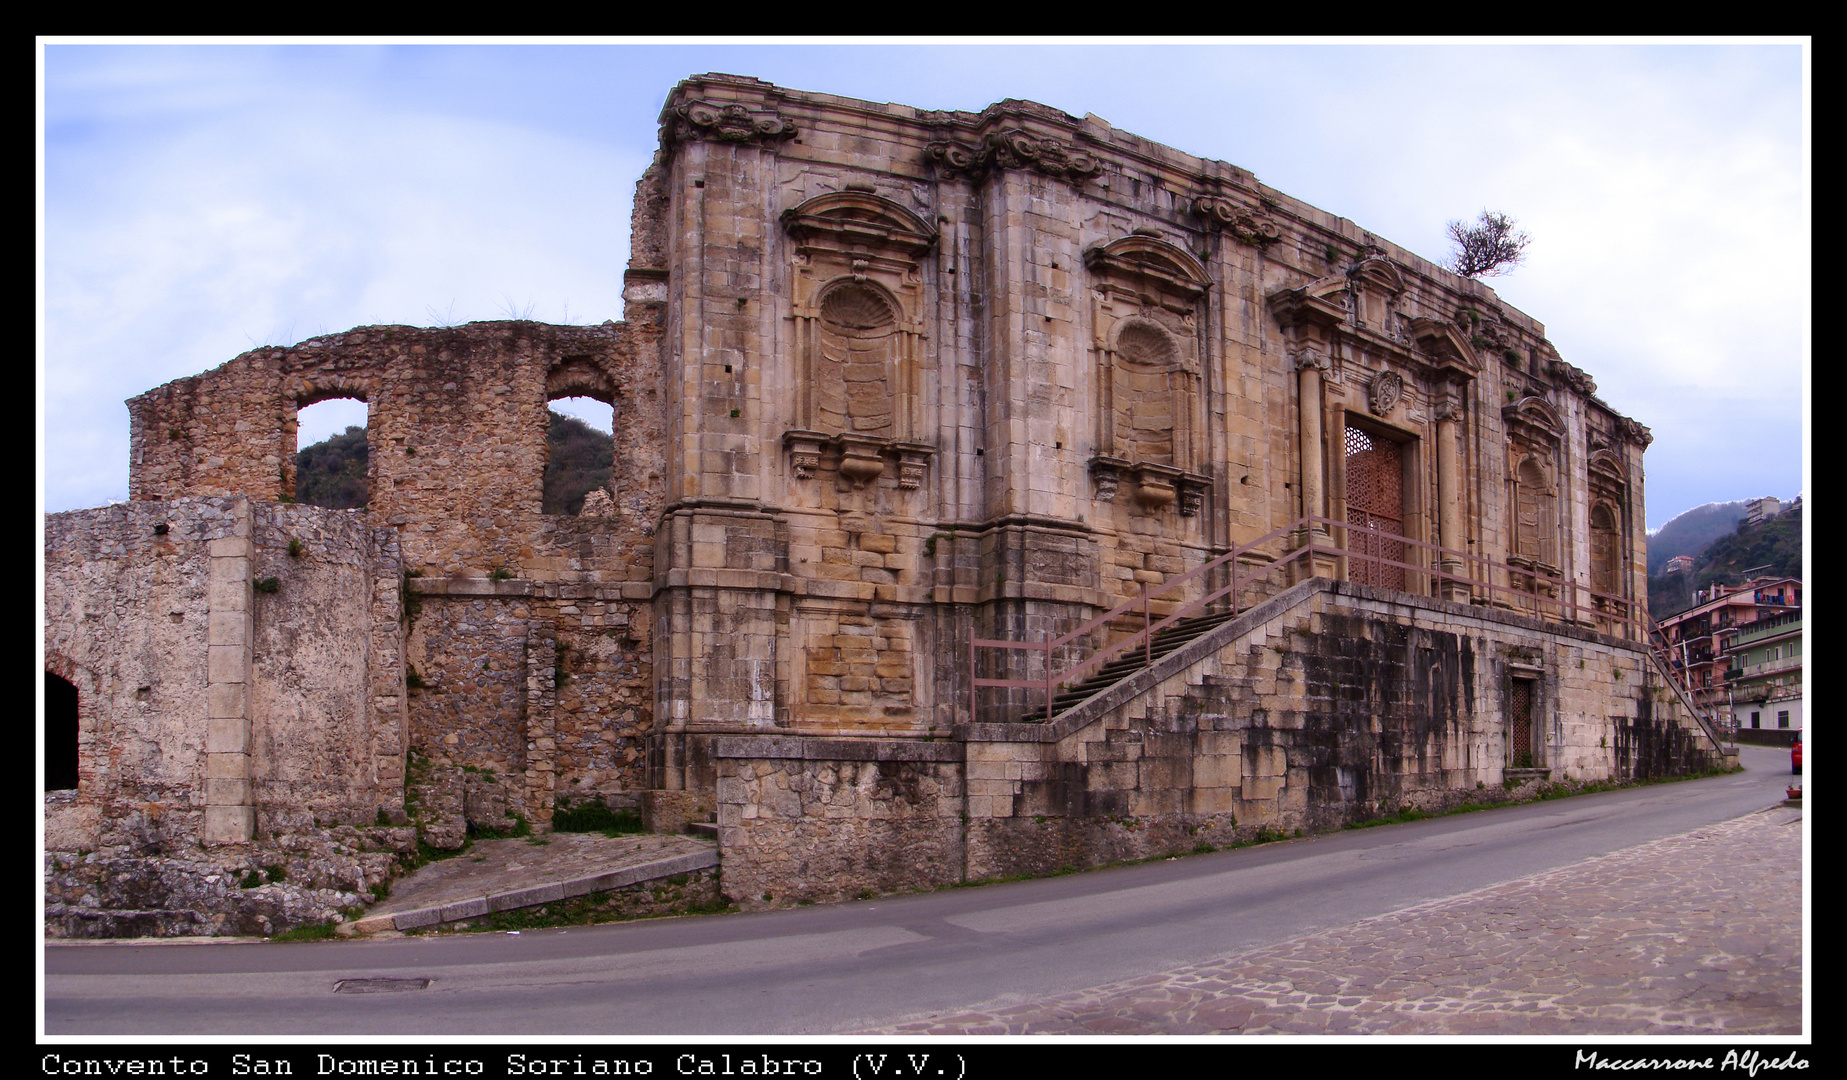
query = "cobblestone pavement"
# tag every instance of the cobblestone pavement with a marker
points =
(1699, 933)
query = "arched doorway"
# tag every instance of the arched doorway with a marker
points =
(60, 734)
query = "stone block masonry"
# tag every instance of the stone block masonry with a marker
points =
(888, 380)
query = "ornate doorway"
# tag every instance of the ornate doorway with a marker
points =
(1375, 500)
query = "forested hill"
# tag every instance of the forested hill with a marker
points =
(1770, 548)
(333, 473)
(1689, 533)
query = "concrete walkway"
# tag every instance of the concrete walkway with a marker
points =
(1696, 934)
(500, 875)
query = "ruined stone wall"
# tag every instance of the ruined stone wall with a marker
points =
(327, 695)
(456, 421)
(126, 613)
(239, 703)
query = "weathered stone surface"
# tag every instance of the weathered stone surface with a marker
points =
(889, 379)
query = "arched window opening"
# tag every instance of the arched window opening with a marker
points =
(580, 453)
(1534, 528)
(858, 346)
(60, 734)
(1604, 552)
(332, 461)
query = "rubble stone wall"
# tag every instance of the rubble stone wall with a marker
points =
(240, 703)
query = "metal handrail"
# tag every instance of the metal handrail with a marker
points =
(1623, 611)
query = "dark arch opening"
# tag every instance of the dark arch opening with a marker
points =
(60, 734)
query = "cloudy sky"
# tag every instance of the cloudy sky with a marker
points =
(201, 200)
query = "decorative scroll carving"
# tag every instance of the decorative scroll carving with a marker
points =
(1107, 472)
(1634, 431)
(1192, 497)
(1447, 408)
(804, 449)
(1013, 149)
(1305, 358)
(1237, 220)
(727, 123)
(1576, 378)
(1384, 391)
(913, 464)
(862, 458)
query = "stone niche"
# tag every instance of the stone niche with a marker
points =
(857, 307)
(1147, 296)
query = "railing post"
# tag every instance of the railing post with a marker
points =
(1147, 629)
(1048, 676)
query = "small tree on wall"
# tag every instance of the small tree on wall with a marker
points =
(1488, 248)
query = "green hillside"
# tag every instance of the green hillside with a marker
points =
(333, 473)
(1771, 548)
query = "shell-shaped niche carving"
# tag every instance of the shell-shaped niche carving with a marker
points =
(857, 307)
(1146, 344)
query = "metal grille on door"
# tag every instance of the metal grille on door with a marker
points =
(1375, 500)
(1520, 719)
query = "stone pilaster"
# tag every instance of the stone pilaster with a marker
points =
(230, 814)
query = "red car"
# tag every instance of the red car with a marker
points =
(1795, 757)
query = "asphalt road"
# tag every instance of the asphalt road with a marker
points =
(853, 966)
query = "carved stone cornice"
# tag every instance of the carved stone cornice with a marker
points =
(721, 122)
(1239, 221)
(1634, 431)
(1014, 148)
(1574, 377)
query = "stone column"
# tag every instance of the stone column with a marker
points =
(1449, 497)
(1310, 363)
(230, 816)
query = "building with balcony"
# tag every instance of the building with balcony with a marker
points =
(1764, 678)
(1701, 637)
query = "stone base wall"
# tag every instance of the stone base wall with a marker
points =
(1328, 704)
(818, 820)
(256, 889)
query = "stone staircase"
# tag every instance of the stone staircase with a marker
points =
(1134, 660)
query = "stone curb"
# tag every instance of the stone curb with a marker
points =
(536, 895)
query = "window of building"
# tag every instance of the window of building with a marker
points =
(332, 460)
(580, 452)
(1782, 718)
(1754, 718)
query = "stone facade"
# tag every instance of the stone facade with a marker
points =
(892, 379)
